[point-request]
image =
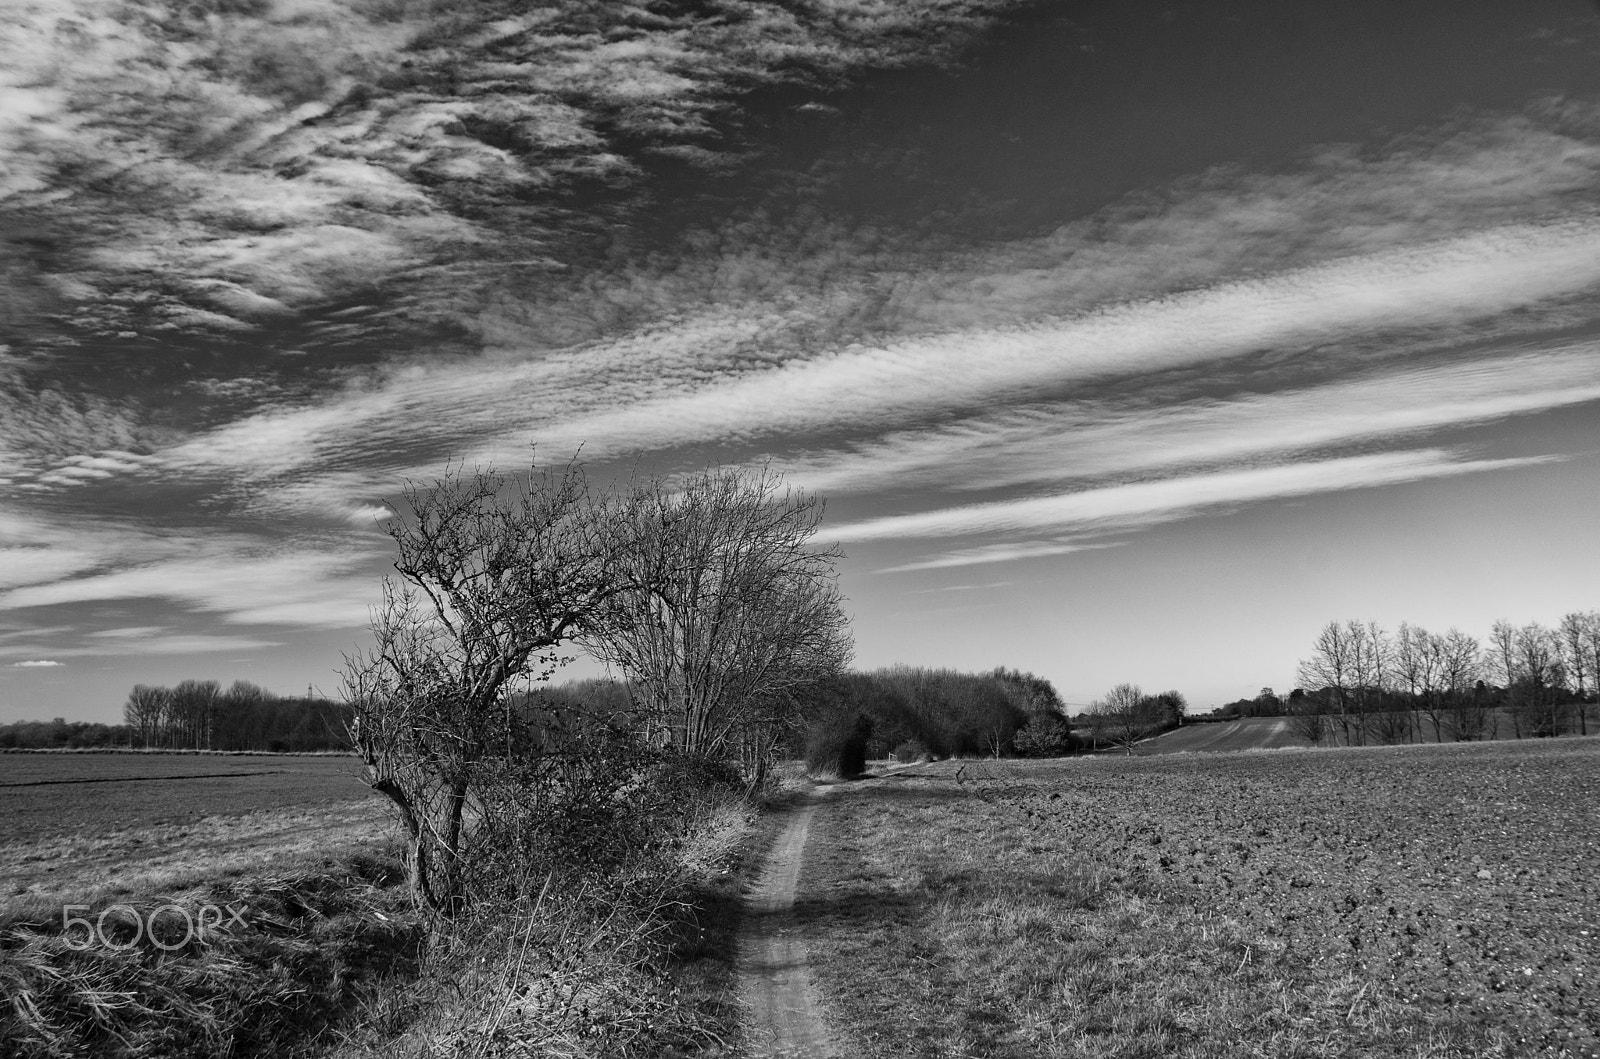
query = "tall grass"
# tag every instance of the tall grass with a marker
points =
(312, 939)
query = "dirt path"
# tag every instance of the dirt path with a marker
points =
(785, 1012)
(775, 982)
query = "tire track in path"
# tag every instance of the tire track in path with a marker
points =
(785, 1019)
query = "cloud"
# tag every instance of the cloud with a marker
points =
(35, 664)
(209, 170)
(1140, 504)
(666, 388)
(42, 564)
(291, 585)
(130, 632)
(1079, 440)
(997, 553)
(156, 644)
(45, 428)
(1474, 277)
(317, 180)
(247, 577)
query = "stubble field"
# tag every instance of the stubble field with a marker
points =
(1409, 901)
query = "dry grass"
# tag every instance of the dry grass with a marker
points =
(312, 939)
(47, 872)
(632, 966)
(1164, 907)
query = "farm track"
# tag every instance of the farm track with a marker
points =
(785, 1019)
(786, 1016)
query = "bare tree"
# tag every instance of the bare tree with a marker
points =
(1591, 653)
(144, 711)
(1536, 689)
(1335, 668)
(239, 723)
(1502, 665)
(192, 711)
(1125, 716)
(495, 573)
(1374, 678)
(1417, 659)
(1460, 669)
(1308, 714)
(733, 611)
(1574, 632)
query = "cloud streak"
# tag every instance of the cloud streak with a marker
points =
(1139, 504)
(493, 409)
(1079, 440)
(161, 644)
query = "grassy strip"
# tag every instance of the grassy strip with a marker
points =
(1023, 910)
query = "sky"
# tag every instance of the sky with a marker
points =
(1126, 341)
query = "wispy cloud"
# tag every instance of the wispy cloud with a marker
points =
(212, 171)
(1474, 277)
(1244, 266)
(492, 409)
(298, 586)
(244, 577)
(158, 645)
(998, 553)
(317, 178)
(1138, 504)
(163, 643)
(1080, 440)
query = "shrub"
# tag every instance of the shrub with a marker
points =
(1045, 735)
(584, 801)
(912, 750)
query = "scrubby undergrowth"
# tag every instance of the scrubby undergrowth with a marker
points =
(304, 947)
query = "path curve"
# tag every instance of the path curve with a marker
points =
(785, 1012)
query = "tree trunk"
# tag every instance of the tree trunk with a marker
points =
(417, 876)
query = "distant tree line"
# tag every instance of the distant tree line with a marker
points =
(1363, 684)
(910, 713)
(203, 715)
(61, 734)
(196, 715)
(902, 712)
